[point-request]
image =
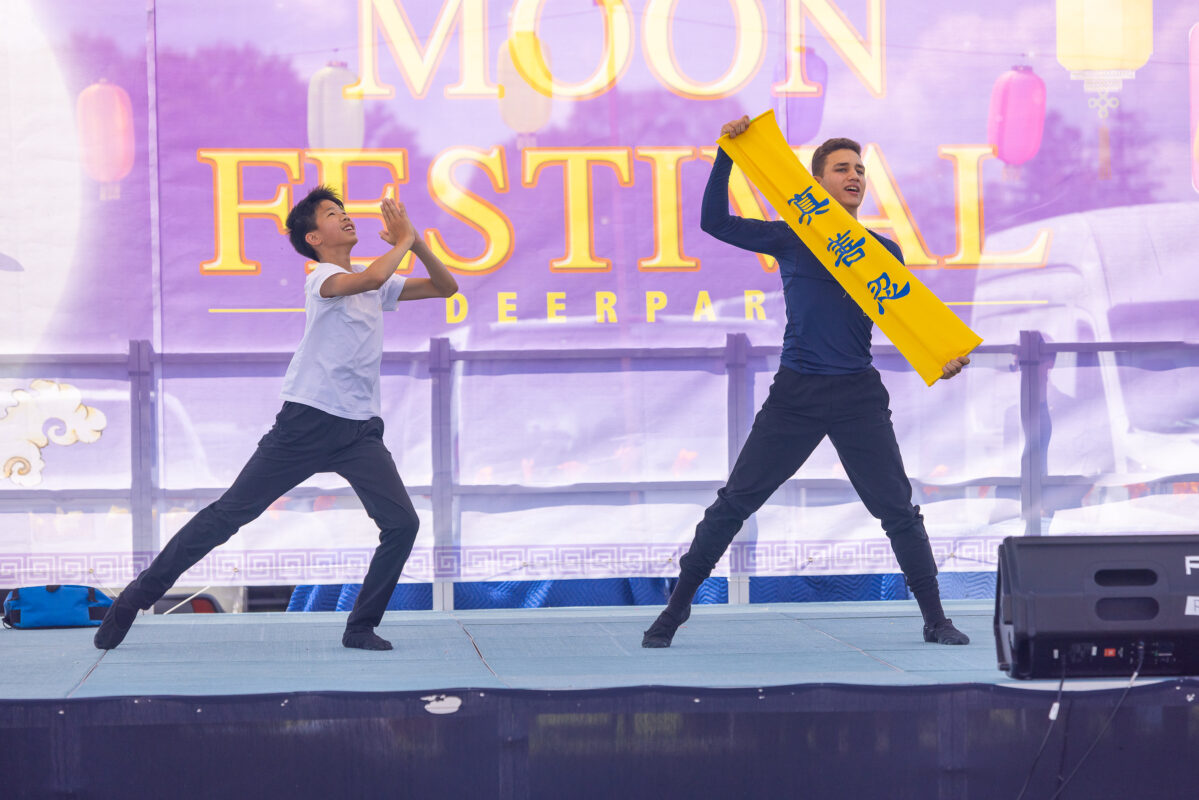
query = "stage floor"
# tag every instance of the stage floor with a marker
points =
(782, 700)
(861, 643)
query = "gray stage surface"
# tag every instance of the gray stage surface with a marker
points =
(861, 643)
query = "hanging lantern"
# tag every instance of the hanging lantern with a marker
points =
(104, 118)
(1103, 43)
(799, 116)
(523, 108)
(1194, 71)
(334, 120)
(1017, 117)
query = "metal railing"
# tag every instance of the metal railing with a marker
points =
(145, 371)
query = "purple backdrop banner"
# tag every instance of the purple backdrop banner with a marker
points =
(1035, 160)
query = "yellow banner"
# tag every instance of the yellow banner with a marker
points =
(924, 329)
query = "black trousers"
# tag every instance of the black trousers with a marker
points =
(302, 442)
(854, 412)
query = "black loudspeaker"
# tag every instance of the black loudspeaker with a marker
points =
(1095, 606)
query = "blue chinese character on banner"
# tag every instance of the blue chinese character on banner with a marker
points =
(848, 251)
(883, 289)
(808, 206)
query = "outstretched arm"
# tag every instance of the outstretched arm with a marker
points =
(755, 235)
(397, 232)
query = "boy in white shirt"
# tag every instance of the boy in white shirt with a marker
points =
(330, 418)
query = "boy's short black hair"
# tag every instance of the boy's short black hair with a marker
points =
(831, 146)
(302, 219)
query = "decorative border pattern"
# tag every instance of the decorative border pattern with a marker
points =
(499, 562)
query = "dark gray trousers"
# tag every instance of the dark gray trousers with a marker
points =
(302, 442)
(854, 412)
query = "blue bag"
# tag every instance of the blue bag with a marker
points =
(55, 607)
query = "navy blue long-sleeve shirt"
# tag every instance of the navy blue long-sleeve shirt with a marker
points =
(827, 333)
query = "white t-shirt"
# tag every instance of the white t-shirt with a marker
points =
(336, 366)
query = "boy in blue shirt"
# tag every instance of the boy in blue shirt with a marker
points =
(825, 386)
(330, 417)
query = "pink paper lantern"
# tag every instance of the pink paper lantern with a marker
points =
(1017, 115)
(104, 117)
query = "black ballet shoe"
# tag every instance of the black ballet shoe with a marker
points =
(944, 633)
(661, 633)
(117, 622)
(364, 640)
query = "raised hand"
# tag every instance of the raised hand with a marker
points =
(398, 229)
(734, 128)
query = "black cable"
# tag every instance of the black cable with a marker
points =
(1059, 776)
(1110, 717)
(1053, 713)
